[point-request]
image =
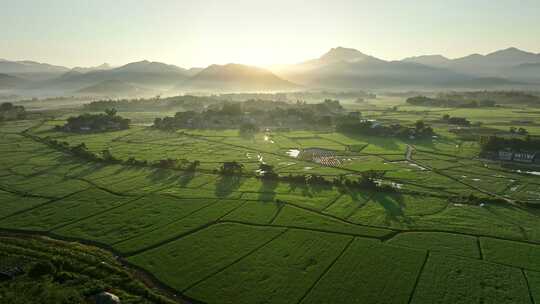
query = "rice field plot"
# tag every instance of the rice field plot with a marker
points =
(533, 279)
(56, 186)
(138, 217)
(11, 203)
(290, 216)
(471, 220)
(284, 142)
(347, 204)
(175, 229)
(365, 163)
(303, 167)
(528, 193)
(317, 142)
(65, 211)
(369, 272)
(526, 219)
(17, 126)
(343, 139)
(378, 145)
(429, 181)
(517, 254)
(397, 210)
(257, 212)
(43, 185)
(441, 242)
(311, 197)
(496, 185)
(193, 258)
(282, 271)
(451, 279)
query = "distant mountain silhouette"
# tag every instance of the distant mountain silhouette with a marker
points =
(114, 88)
(429, 60)
(142, 73)
(529, 72)
(9, 81)
(235, 78)
(30, 69)
(340, 68)
(343, 68)
(101, 67)
(493, 64)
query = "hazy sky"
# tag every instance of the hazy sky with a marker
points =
(261, 32)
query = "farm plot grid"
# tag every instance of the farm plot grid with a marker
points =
(218, 240)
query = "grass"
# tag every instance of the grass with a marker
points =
(449, 279)
(173, 229)
(369, 272)
(134, 219)
(296, 217)
(56, 214)
(515, 254)
(279, 272)
(203, 254)
(444, 243)
(226, 239)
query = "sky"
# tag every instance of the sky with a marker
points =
(197, 33)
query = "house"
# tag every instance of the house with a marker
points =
(505, 155)
(524, 157)
(355, 115)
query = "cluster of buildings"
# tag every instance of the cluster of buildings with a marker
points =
(520, 157)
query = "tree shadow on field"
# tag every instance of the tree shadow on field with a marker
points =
(267, 189)
(186, 178)
(227, 184)
(162, 176)
(89, 168)
(304, 189)
(393, 205)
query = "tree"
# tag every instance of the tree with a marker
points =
(107, 155)
(193, 165)
(446, 117)
(111, 112)
(248, 129)
(42, 268)
(6, 106)
(231, 168)
(419, 125)
(522, 131)
(267, 171)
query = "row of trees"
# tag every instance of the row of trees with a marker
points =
(461, 121)
(102, 122)
(496, 143)
(449, 102)
(8, 111)
(367, 180)
(371, 128)
(82, 151)
(262, 113)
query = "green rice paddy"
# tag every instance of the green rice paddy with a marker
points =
(218, 239)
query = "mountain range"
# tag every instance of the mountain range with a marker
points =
(340, 68)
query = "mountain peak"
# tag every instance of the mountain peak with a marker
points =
(511, 51)
(233, 77)
(430, 60)
(343, 54)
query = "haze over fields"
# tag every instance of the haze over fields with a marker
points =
(339, 68)
(276, 152)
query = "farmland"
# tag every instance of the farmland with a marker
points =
(443, 225)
